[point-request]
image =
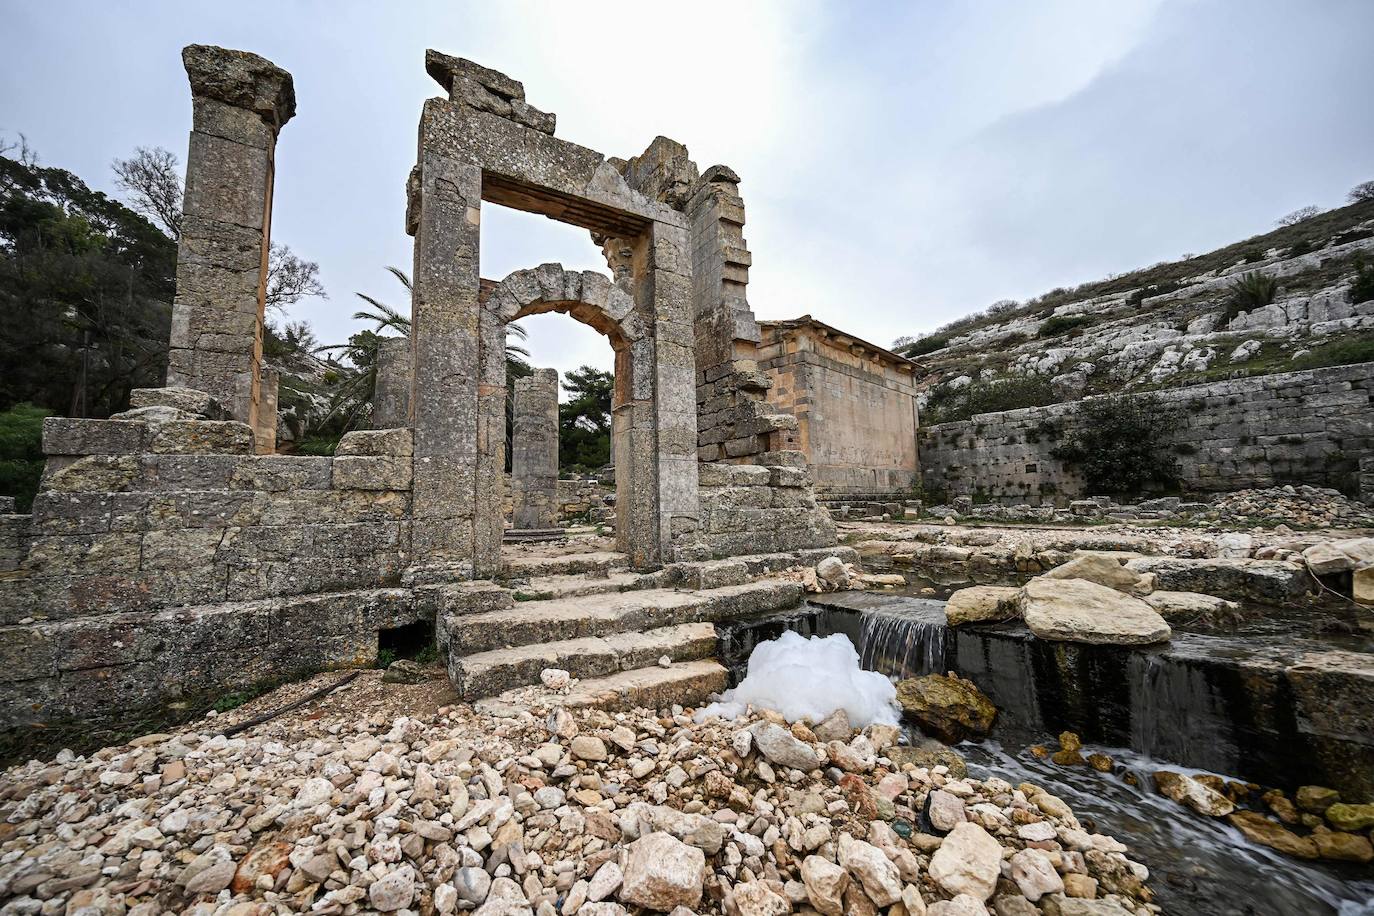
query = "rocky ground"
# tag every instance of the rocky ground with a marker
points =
(351, 805)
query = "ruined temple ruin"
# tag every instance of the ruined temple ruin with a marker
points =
(172, 554)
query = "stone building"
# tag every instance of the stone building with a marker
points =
(534, 452)
(855, 405)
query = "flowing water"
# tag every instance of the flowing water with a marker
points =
(1199, 702)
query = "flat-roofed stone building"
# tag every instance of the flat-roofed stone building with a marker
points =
(855, 405)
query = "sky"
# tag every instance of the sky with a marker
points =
(903, 164)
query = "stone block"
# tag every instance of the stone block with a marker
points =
(72, 436)
(185, 399)
(372, 442)
(94, 473)
(183, 437)
(372, 473)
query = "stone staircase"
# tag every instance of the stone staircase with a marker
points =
(610, 627)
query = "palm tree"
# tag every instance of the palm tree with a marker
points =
(387, 317)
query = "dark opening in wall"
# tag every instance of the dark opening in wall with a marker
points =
(407, 641)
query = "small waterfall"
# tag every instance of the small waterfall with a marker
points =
(908, 641)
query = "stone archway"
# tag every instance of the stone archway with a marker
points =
(485, 143)
(595, 301)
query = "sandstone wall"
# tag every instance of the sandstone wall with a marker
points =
(1298, 427)
(165, 558)
(855, 407)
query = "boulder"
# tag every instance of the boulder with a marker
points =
(1188, 791)
(825, 884)
(1343, 847)
(946, 707)
(872, 869)
(969, 861)
(1362, 586)
(1316, 799)
(1274, 581)
(662, 872)
(756, 898)
(1076, 610)
(1104, 571)
(1326, 558)
(1190, 605)
(831, 571)
(780, 746)
(1034, 874)
(1259, 829)
(1350, 817)
(981, 604)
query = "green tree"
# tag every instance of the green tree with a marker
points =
(85, 287)
(21, 453)
(584, 420)
(1123, 444)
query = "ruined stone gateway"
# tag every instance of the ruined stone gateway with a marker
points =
(170, 554)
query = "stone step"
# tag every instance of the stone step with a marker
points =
(569, 564)
(686, 684)
(534, 622)
(488, 673)
(547, 588)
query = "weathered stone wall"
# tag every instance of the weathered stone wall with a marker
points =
(164, 558)
(1297, 427)
(584, 498)
(855, 406)
(534, 451)
(749, 509)
(1367, 479)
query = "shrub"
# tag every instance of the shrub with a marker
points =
(1249, 291)
(317, 445)
(947, 405)
(1253, 255)
(1058, 325)
(1121, 444)
(21, 453)
(1302, 246)
(928, 344)
(1362, 289)
(1361, 192)
(1298, 215)
(1344, 352)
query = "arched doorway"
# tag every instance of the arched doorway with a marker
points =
(595, 301)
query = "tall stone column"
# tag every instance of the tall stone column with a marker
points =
(534, 451)
(240, 102)
(445, 216)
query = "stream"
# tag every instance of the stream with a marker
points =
(1148, 710)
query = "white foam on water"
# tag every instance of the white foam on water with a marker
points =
(809, 678)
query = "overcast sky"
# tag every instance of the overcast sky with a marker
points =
(903, 164)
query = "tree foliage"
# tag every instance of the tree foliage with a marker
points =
(1122, 444)
(584, 420)
(1298, 215)
(85, 288)
(21, 453)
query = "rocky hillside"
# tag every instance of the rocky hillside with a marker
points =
(1299, 297)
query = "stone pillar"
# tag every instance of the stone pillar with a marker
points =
(240, 102)
(391, 397)
(445, 215)
(534, 451)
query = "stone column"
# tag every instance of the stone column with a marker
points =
(240, 102)
(445, 216)
(534, 451)
(391, 398)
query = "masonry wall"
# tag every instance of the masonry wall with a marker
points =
(856, 415)
(1310, 427)
(164, 559)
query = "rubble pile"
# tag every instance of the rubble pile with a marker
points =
(574, 813)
